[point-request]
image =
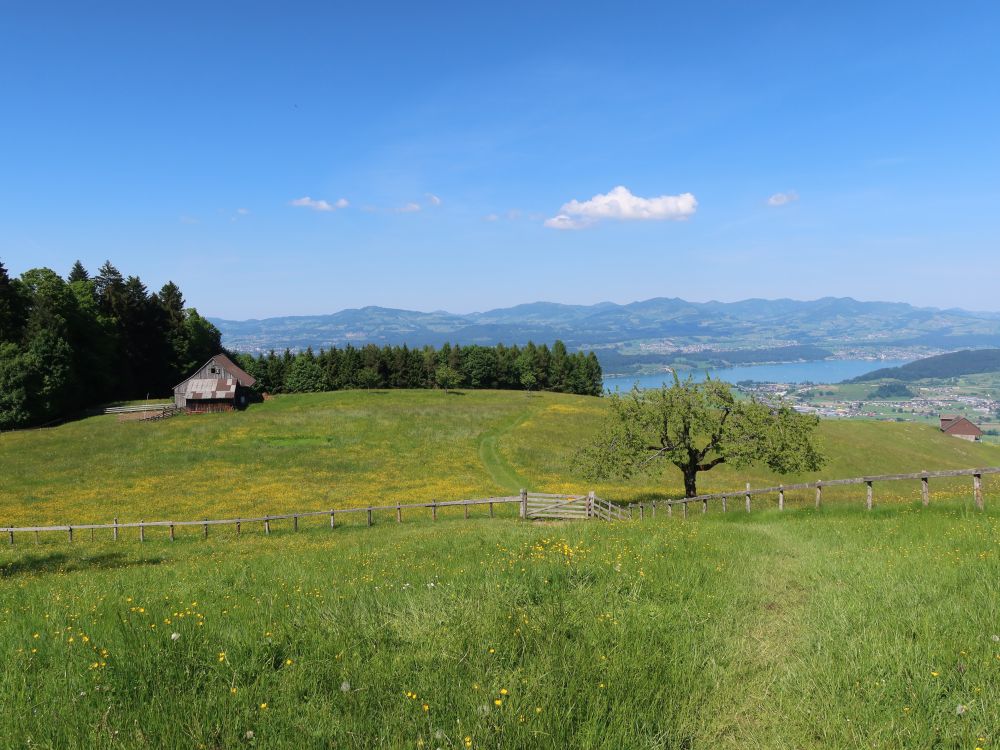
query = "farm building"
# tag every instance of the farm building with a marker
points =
(218, 385)
(960, 427)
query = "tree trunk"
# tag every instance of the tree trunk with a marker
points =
(690, 479)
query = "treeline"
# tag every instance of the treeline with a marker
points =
(66, 344)
(953, 365)
(451, 367)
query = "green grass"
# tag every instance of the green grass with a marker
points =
(836, 629)
(355, 448)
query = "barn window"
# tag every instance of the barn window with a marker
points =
(214, 370)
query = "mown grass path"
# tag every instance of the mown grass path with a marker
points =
(499, 468)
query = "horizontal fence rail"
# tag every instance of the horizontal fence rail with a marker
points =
(780, 490)
(521, 500)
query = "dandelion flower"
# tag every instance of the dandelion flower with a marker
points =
(222, 656)
(426, 708)
(503, 691)
(263, 706)
(497, 702)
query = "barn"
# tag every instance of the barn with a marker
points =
(960, 427)
(218, 385)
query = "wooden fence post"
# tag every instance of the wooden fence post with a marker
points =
(237, 528)
(524, 503)
(267, 525)
(654, 509)
(37, 541)
(642, 512)
(590, 504)
(685, 510)
(206, 528)
(925, 490)
(369, 516)
(819, 493)
(781, 497)
(10, 535)
(977, 490)
(868, 501)
(491, 510)
(331, 518)
(70, 530)
(434, 510)
(295, 523)
(748, 497)
(724, 499)
(466, 506)
(704, 506)
(115, 531)
(142, 531)
(399, 513)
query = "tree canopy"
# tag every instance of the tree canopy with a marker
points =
(696, 427)
(66, 344)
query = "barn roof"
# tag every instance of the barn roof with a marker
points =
(199, 389)
(242, 377)
(959, 425)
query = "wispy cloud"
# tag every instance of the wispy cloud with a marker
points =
(782, 199)
(433, 200)
(243, 211)
(408, 208)
(621, 205)
(319, 205)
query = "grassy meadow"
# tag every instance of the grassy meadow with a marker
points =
(355, 448)
(835, 628)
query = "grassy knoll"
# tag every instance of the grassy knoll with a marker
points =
(354, 448)
(836, 629)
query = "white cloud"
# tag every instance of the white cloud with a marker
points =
(319, 205)
(433, 200)
(243, 211)
(619, 204)
(781, 199)
(409, 208)
(491, 217)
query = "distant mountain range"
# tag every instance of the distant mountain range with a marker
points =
(650, 326)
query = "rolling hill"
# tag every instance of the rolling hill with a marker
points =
(954, 364)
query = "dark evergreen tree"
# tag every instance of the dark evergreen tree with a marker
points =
(78, 273)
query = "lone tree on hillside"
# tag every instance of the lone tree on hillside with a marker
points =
(696, 427)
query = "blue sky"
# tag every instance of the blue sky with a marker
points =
(765, 150)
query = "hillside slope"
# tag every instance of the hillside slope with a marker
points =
(355, 448)
(952, 365)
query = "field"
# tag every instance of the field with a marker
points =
(354, 448)
(835, 628)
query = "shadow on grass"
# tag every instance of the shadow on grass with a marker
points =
(60, 562)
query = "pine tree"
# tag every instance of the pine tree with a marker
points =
(78, 273)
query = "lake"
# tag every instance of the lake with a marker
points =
(820, 371)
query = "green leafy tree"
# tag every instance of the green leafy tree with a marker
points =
(447, 378)
(696, 427)
(14, 372)
(368, 378)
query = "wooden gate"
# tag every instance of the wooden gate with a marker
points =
(569, 507)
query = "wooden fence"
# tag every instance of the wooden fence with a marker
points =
(534, 505)
(265, 522)
(748, 493)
